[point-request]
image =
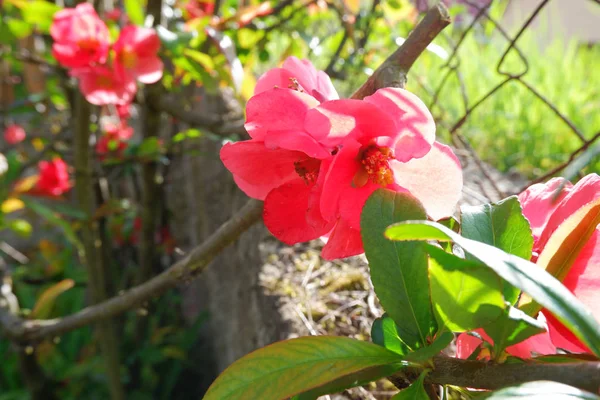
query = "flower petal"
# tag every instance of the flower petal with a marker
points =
(149, 70)
(276, 77)
(343, 242)
(277, 110)
(436, 180)
(414, 122)
(258, 170)
(285, 213)
(334, 121)
(299, 141)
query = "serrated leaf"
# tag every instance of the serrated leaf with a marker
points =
(45, 303)
(540, 390)
(291, 367)
(384, 332)
(464, 295)
(501, 225)
(415, 391)
(536, 282)
(398, 270)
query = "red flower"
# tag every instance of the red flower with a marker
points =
(315, 163)
(114, 14)
(14, 134)
(546, 213)
(100, 86)
(53, 178)
(136, 55)
(81, 38)
(199, 8)
(114, 139)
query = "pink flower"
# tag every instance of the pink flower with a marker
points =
(81, 38)
(14, 134)
(100, 86)
(114, 14)
(546, 214)
(124, 110)
(316, 163)
(298, 75)
(136, 54)
(385, 141)
(53, 178)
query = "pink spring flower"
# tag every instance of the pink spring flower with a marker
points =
(114, 139)
(398, 152)
(316, 163)
(298, 75)
(14, 134)
(101, 86)
(81, 38)
(136, 54)
(546, 213)
(53, 178)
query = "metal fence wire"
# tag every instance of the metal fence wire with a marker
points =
(484, 183)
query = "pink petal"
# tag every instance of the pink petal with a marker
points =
(414, 123)
(583, 280)
(299, 141)
(276, 77)
(540, 344)
(285, 213)
(466, 344)
(333, 121)
(538, 202)
(277, 110)
(343, 242)
(258, 170)
(436, 180)
(339, 177)
(584, 192)
(145, 41)
(325, 88)
(149, 70)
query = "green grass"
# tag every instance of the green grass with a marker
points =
(513, 128)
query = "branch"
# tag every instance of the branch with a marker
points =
(25, 331)
(392, 73)
(491, 376)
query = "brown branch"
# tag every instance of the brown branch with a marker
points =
(392, 73)
(25, 331)
(491, 376)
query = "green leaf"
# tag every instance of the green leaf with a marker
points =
(318, 364)
(415, 391)
(135, 11)
(45, 303)
(398, 270)
(201, 58)
(540, 390)
(18, 28)
(39, 13)
(49, 215)
(512, 327)
(384, 332)
(465, 296)
(426, 353)
(536, 282)
(501, 225)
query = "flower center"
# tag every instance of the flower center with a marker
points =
(128, 58)
(375, 166)
(295, 85)
(308, 169)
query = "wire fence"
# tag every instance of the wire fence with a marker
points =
(481, 179)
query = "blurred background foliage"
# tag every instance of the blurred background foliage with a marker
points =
(513, 131)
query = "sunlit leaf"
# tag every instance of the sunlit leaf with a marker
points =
(295, 366)
(541, 286)
(540, 390)
(384, 332)
(11, 204)
(45, 303)
(135, 11)
(398, 270)
(415, 391)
